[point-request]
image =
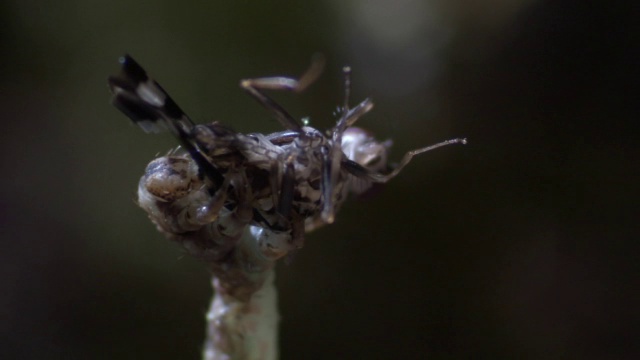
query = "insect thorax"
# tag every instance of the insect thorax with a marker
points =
(265, 164)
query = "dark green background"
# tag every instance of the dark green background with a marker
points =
(520, 245)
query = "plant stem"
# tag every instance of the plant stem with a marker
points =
(242, 322)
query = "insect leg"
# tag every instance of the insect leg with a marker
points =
(357, 112)
(283, 189)
(362, 172)
(232, 225)
(297, 230)
(214, 242)
(333, 155)
(255, 86)
(328, 211)
(286, 233)
(209, 212)
(285, 199)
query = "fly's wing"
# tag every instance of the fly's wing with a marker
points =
(146, 103)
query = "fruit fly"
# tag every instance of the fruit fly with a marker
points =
(278, 185)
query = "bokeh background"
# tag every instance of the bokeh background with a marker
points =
(522, 244)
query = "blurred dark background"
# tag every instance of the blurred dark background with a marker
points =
(522, 244)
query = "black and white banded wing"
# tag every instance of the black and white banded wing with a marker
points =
(144, 101)
(147, 104)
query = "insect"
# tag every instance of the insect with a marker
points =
(280, 185)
